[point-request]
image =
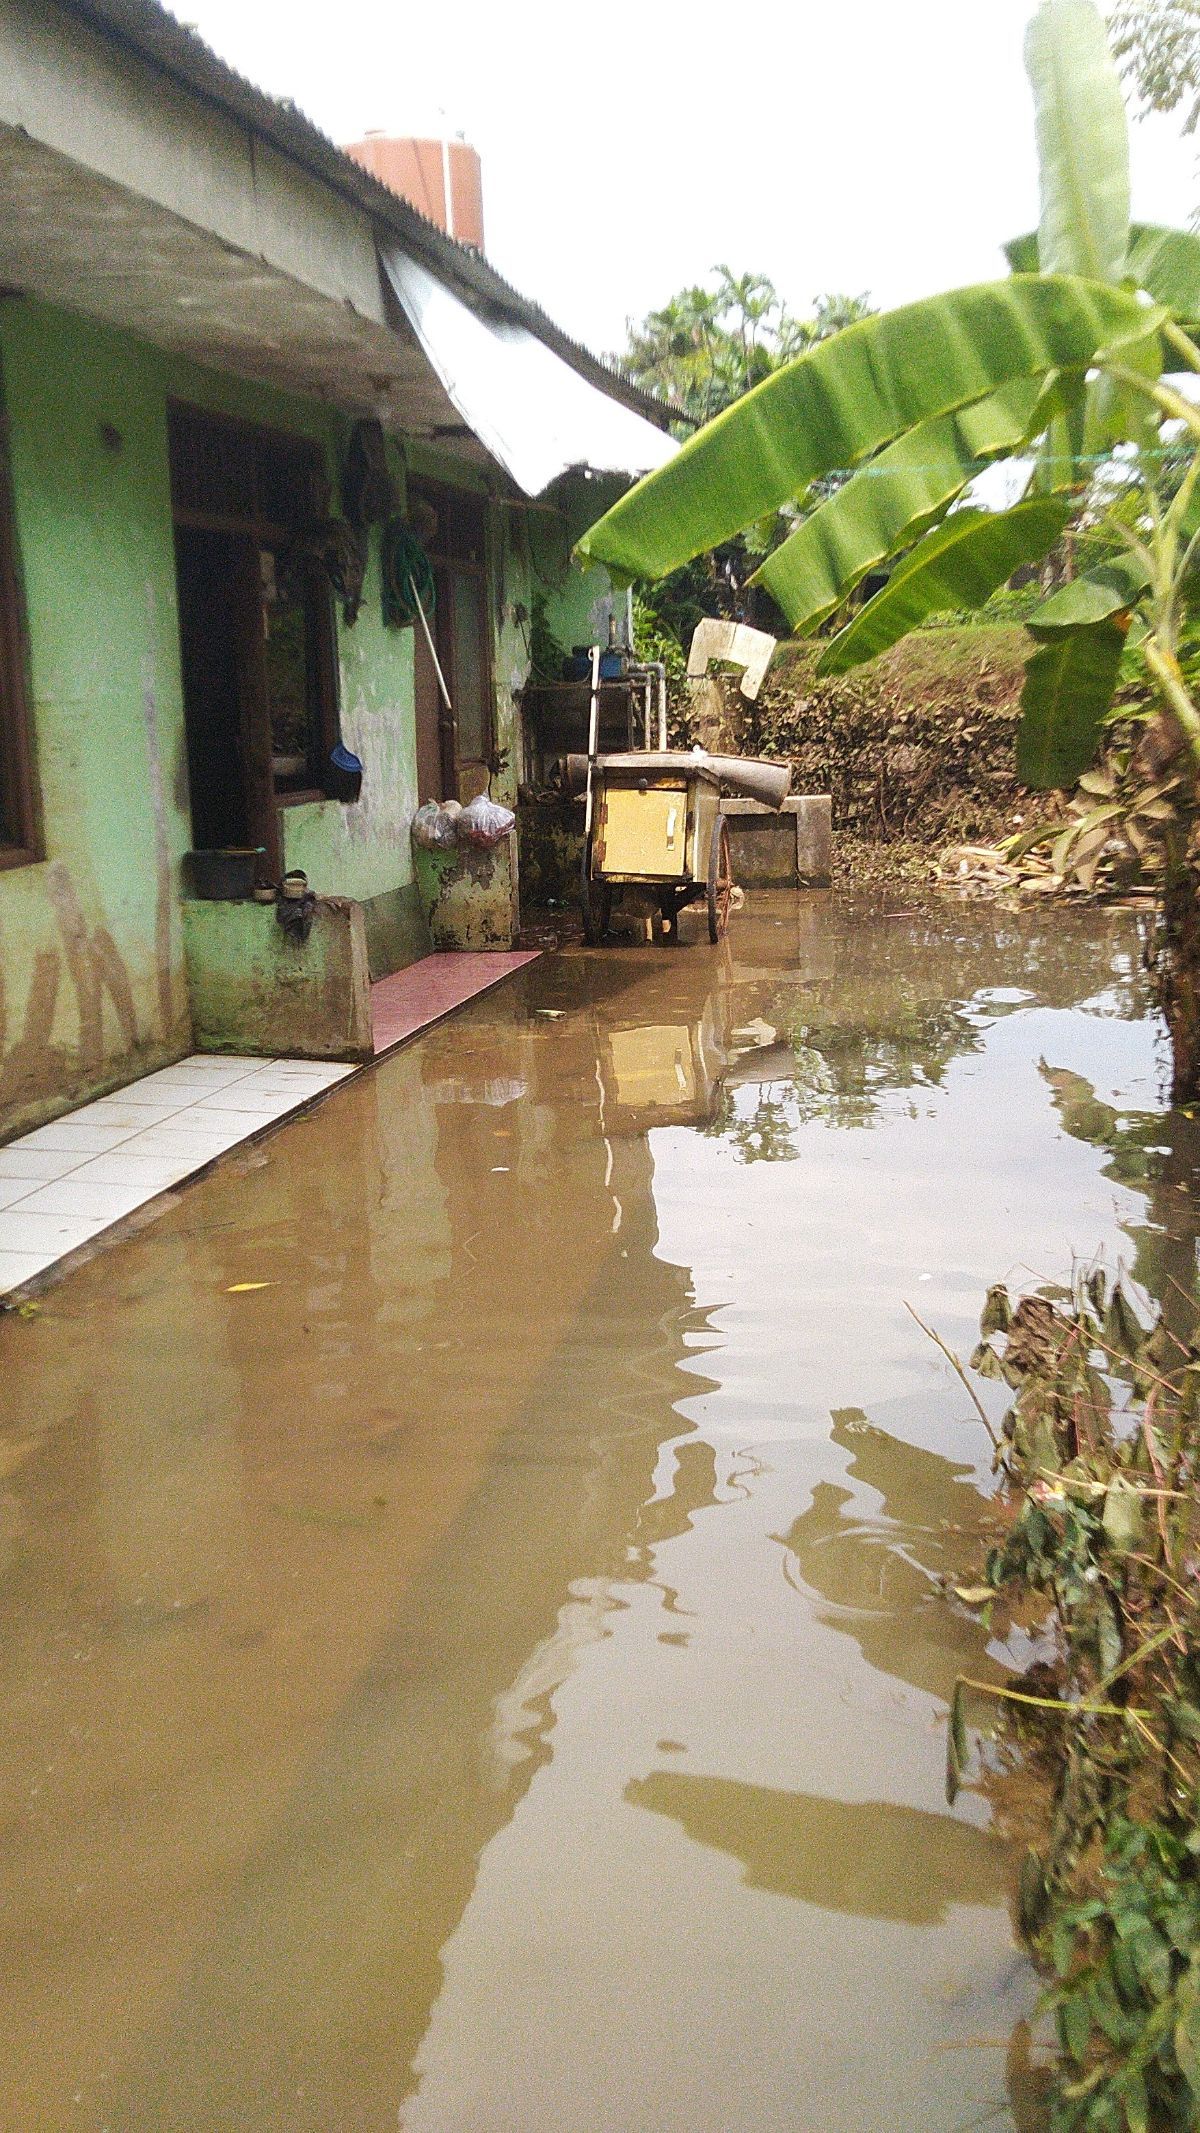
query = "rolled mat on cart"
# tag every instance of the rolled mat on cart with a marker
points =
(744, 777)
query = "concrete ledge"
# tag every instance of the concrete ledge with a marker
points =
(784, 848)
(396, 931)
(254, 989)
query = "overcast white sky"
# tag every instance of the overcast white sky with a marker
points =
(881, 145)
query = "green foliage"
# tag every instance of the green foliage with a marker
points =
(877, 411)
(1101, 1455)
(911, 484)
(1108, 589)
(705, 347)
(1083, 143)
(653, 640)
(850, 397)
(1157, 43)
(1012, 603)
(1068, 693)
(958, 564)
(1163, 262)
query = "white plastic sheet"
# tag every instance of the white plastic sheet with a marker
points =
(529, 409)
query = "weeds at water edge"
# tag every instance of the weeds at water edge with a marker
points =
(1100, 1452)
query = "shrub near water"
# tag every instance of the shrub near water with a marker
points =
(920, 744)
(1100, 1452)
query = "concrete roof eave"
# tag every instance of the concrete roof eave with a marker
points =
(80, 240)
(147, 29)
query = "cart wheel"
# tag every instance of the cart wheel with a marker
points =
(595, 900)
(720, 881)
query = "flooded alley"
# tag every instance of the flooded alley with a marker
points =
(472, 1651)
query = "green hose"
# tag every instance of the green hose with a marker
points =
(408, 584)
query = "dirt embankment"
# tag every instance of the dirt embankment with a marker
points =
(916, 748)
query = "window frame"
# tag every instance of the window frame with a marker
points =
(273, 534)
(16, 725)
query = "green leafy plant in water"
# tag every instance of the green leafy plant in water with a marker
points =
(1100, 1451)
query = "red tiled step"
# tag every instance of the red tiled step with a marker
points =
(410, 1000)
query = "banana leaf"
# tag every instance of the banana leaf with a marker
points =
(1068, 690)
(1163, 262)
(1022, 253)
(960, 564)
(848, 397)
(1117, 413)
(1166, 263)
(892, 500)
(1083, 143)
(1109, 589)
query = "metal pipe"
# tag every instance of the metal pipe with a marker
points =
(593, 738)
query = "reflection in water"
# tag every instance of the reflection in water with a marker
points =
(871, 1564)
(866, 1856)
(341, 1641)
(1161, 1155)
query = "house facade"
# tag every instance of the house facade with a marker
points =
(238, 375)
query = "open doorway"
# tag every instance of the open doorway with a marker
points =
(455, 747)
(255, 627)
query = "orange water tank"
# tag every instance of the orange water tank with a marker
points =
(417, 170)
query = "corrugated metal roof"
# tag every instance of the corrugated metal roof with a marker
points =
(157, 37)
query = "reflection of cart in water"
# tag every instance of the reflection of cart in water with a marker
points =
(653, 820)
(661, 1074)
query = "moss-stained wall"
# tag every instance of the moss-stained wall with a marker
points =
(93, 985)
(533, 545)
(93, 982)
(255, 988)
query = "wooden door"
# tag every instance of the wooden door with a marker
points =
(436, 776)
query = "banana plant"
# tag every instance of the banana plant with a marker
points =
(1066, 362)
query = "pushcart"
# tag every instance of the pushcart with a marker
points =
(652, 820)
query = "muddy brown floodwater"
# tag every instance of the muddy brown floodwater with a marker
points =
(492, 1679)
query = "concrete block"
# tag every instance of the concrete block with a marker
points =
(470, 897)
(789, 847)
(254, 989)
(814, 838)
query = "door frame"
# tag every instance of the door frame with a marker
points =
(448, 501)
(256, 530)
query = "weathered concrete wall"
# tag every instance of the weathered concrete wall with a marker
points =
(363, 850)
(781, 848)
(471, 897)
(93, 985)
(255, 988)
(65, 85)
(533, 547)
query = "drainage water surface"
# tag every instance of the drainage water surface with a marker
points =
(472, 1651)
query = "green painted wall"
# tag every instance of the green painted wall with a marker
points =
(92, 984)
(254, 988)
(93, 979)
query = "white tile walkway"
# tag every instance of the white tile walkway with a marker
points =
(64, 1183)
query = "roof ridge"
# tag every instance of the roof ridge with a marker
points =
(156, 35)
